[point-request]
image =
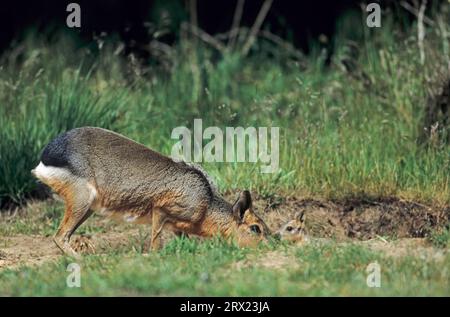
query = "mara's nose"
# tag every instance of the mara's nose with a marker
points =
(277, 236)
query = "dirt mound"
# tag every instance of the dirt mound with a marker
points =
(360, 219)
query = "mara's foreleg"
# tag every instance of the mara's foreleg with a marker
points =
(180, 220)
(159, 220)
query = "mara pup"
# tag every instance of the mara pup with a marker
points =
(294, 230)
(93, 169)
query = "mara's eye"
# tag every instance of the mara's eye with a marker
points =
(255, 229)
(289, 228)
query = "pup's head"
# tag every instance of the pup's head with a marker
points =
(293, 230)
(251, 229)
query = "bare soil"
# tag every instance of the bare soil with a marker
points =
(393, 226)
(34, 250)
(359, 219)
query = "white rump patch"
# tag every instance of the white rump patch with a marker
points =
(44, 172)
(47, 173)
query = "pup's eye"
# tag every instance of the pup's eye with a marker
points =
(255, 229)
(289, 228)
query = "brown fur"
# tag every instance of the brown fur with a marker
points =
(294, 230)
(137, 183)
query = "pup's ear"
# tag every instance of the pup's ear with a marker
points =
(242, 204)
(300, 216)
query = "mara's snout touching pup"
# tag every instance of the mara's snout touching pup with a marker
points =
(294, 230)
(93, 169)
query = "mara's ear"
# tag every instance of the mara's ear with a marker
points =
(300, 216)
(242, 204)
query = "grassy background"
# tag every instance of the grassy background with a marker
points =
(343, 132)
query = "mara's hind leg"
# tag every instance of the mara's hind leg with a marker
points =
(78, 197)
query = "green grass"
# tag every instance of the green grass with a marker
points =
(39, 100)
(339, 137)
(441, 238)
(215, 268)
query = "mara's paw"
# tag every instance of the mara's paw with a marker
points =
(83, 244)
